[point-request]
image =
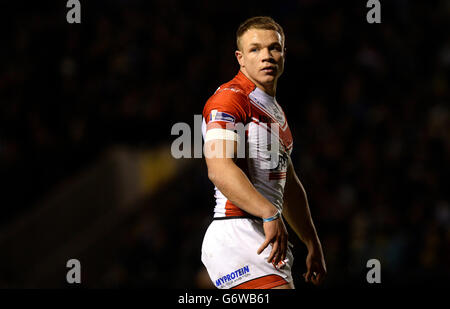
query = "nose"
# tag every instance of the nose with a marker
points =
(267, 56)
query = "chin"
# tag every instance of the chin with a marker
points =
(267, 79)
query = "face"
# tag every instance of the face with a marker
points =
(261, 57)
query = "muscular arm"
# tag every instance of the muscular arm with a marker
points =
(233, 182)
(237, 188)
(296, 209)
(297, 214)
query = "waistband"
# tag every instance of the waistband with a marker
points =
(237, 217)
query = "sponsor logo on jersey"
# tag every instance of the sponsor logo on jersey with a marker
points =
(233, 276)
(220, 116)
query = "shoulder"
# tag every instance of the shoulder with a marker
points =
(230, 98)
(229, 93)
(239, 85)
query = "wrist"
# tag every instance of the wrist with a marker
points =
(268, 210)
(273, 217)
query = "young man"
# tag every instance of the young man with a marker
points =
(246, 245)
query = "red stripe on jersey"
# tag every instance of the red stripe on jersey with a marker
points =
(285, 134)
(232, 210)
(277, 175)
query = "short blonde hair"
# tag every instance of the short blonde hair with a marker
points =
(258, 22)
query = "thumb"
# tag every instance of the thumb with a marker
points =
(263, 246)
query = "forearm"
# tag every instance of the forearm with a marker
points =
(237, 188)
(297, 213)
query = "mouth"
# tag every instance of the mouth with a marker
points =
(269, 70)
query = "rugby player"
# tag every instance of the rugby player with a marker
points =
(246, 245)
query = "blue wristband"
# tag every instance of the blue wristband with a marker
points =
(274, 217)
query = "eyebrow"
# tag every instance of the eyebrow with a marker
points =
(270, 45)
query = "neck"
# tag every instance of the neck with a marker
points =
(270, 89)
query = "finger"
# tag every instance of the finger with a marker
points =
(307, 276)
(281, 254)
(283, 248)
(273, 252)
(263, 246)
(276, 253)
(318, 279)
(322, 274)
(277, 257)
(313, 278)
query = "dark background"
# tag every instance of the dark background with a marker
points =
(367, 105)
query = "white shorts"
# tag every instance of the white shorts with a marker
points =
(229, 255)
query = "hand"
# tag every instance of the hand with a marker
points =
(277, 235)
(316, 269)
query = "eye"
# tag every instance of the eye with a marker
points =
(276, 47)
(253, 49)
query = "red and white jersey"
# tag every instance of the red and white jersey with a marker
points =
(268, 140)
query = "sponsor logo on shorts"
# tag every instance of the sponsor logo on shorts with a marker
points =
(233, 276)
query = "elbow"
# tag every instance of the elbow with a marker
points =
(212, 175)
(217, 170)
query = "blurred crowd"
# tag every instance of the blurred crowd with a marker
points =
(368, 105)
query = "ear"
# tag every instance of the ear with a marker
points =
(239, 57)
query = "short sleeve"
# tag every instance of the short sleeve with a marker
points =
(225, 108)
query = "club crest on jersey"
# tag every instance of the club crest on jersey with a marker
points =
(220, 116)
